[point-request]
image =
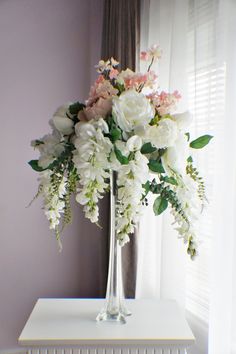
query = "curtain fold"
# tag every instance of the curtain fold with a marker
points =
(121, 40)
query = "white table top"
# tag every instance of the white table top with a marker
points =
(72, 322)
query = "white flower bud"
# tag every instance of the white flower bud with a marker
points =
(134, 143)
(183, 120)
(63, 124)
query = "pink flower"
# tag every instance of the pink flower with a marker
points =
(99, 109)
(132, 80)
(100, 79)
(144, 56)
(99, 103)
(108, 65)
(103, 66)
(135, 81)
(102, 88)
(113, 74)
(177, 95)
(154, 52)
(164, 102)
(151, 78)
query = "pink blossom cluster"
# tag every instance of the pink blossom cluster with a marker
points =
(99, 103)
(113, 73)
(164, 102)
(153, 53)
(107, 85)
(137, 80)
(102, 88)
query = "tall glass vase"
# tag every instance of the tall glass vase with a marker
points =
(114, 308)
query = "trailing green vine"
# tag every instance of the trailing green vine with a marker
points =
(194, 174)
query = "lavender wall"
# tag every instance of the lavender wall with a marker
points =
(47, 48)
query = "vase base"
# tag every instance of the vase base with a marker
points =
(126, 312)
(105, 316)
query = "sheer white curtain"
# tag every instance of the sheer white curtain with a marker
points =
(198, 38)
(164, 23)
(222, 324)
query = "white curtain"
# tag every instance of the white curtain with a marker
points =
(164, 23)
(198, 38)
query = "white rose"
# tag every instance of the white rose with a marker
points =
(176, 156)
(131, 109)
(183, 120)
(164, 134)
(61, 122)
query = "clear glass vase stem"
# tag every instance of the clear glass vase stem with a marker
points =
(114, 309)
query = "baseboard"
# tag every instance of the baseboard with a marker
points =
(13, 351)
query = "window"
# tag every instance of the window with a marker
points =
(206, 88)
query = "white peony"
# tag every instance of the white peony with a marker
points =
(163, 135)
(61, 122)
(131, 109)
(183, 120)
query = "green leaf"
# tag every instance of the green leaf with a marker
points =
(115, 134)
(155, 188)
(188, 136)
(156, 166)
(170, 180)
(131, 156)
(160, 205)
(120, 157)
(147, 186)
(120, 87)
(147, 148)
(200, 142)
(111, 124)
(190, 159)
(35, 166)
(74, 108)
(38, 142)
(161, 152)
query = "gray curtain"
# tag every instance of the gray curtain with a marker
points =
(121, 32)
(121, 40)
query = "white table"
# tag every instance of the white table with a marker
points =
(68, 326)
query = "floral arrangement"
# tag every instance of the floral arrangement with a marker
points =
(129, 126)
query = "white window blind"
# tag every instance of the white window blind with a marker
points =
(206, 89)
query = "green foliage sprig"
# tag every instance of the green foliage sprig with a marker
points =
(71, 186)
(165, 195)
(194, 174)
